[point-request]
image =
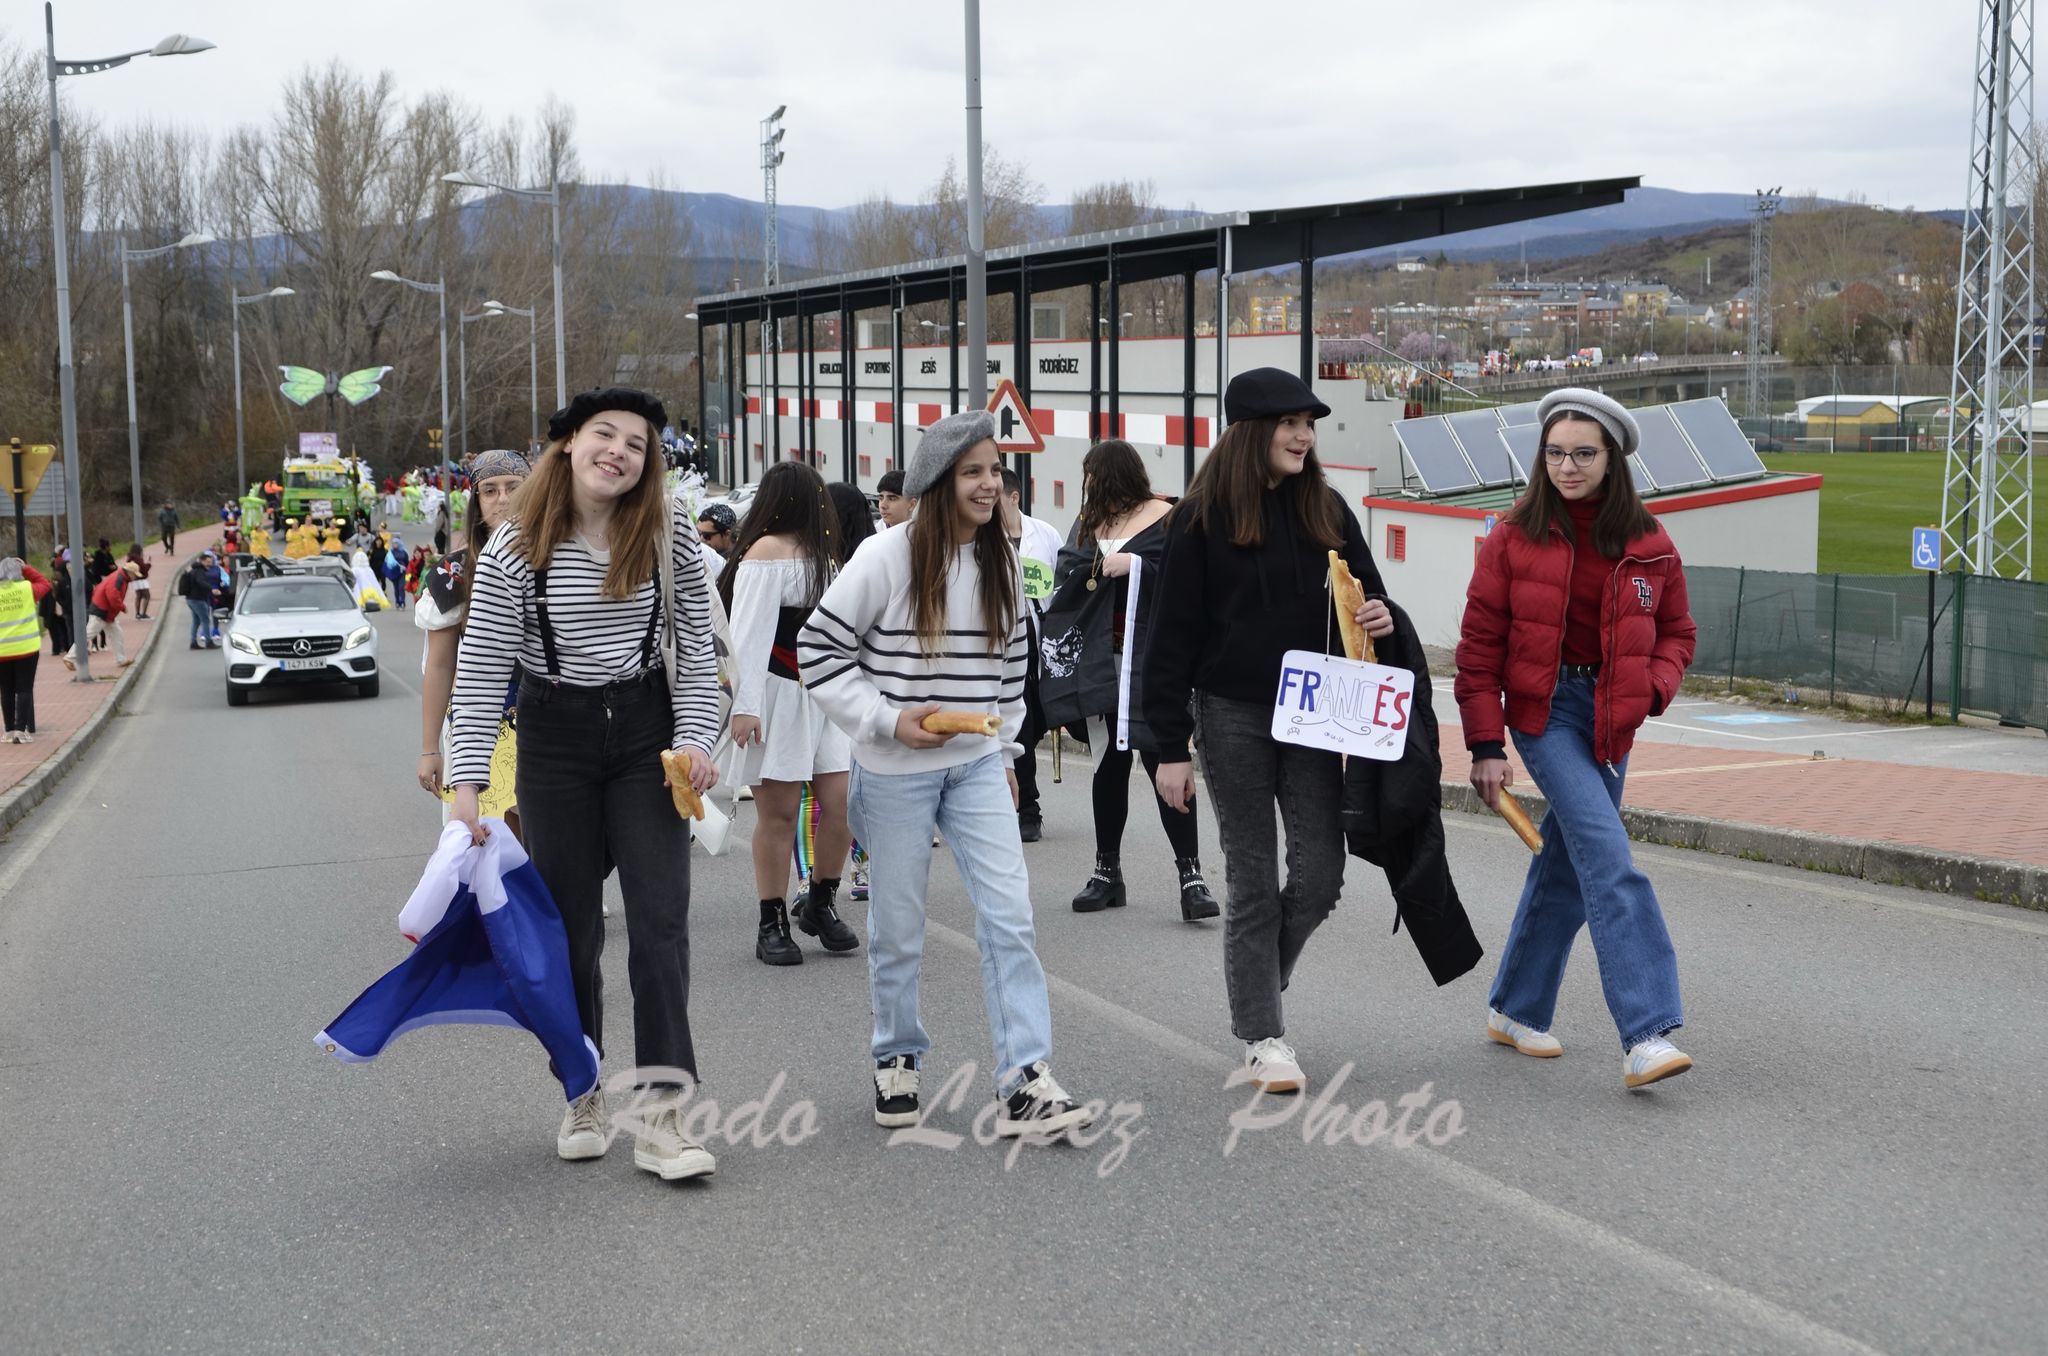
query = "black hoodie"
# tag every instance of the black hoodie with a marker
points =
(1226, 614)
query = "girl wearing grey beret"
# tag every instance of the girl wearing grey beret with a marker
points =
(929, 616)
(1576, 630)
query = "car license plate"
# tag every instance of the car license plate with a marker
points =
(305, 663)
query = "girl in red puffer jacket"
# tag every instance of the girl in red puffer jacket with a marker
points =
(1576, 620)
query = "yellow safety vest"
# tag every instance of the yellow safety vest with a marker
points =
(19, 632)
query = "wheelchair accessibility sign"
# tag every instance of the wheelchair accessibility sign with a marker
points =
(1927, 548)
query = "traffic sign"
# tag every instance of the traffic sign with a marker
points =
(1014, 430)
(35, 458)
(1927, 548)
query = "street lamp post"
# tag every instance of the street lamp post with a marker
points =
(532, 354)
(440, 293)
(553, 193)
(235, 313)
(128, 352)
(178, 44)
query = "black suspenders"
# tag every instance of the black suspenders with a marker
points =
(547, 629)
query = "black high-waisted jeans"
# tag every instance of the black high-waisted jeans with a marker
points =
(591, 790)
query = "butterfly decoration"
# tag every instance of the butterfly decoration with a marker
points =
(303, 385)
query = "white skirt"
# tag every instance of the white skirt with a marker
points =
(797, 742)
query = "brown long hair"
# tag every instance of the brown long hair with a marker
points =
(1231, 485)
(1622, 518)
(546, 510)
(931, 560)
(1114, 482)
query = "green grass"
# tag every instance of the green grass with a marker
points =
(1870, 502)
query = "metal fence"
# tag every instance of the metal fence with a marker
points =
(1868, 635)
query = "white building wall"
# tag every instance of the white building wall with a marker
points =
(1357, 436)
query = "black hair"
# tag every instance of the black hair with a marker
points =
(1012, 484)
(856, 519)
(791, 502)
(890, 483)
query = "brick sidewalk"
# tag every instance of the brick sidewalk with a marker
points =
(63, 704)
(1999, 815)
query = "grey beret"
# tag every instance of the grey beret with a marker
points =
(943, 444)
(1602, 410)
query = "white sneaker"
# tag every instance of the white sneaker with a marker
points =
(584, 1132)
(1527, 1039)
(1273, 1066)
(667, 1152)
(1040, 1106)
(1651, 1060)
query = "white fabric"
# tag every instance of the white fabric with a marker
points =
(456, 862)
(797, 741)
(1123, 671)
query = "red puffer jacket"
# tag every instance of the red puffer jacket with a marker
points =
(1513, 637)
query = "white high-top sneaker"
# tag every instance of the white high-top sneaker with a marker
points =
(584, 1132)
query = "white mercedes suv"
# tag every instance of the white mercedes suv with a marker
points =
(294, 629)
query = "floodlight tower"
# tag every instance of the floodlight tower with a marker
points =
(771, 156)
(1760, 215)
(1987, 496)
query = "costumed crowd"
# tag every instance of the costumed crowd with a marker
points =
(604, 658)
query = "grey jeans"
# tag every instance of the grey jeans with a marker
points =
(1266, 925)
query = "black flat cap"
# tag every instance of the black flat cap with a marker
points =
(1267, 393)
(573, 415)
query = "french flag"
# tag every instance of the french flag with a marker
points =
(490, 949)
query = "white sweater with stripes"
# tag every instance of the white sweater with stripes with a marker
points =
(862, 663)
(598, 640)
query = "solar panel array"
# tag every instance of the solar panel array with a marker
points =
(1685, 445)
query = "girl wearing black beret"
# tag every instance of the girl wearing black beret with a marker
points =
(594, 594)
(1245, 581)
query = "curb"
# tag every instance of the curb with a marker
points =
(37, 787)
(1985, 878)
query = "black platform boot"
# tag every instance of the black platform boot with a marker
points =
(816, 916)
(1196, 903)
(1105, 889)
(775, 946)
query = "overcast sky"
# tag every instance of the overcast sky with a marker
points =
(1221, 105)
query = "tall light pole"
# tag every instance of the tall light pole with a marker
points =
(178, 44)
(532, 354)
(553, 193)
(128, 352)
(440, 293)
(462, 324)
(977, 262)
(241, 467)
(772, 132)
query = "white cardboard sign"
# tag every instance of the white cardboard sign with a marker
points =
(1343, 705)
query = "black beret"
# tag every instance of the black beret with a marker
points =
(572, 416)
(1267, 393)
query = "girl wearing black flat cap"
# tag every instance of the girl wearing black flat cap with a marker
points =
(595, 593)
(1245, 580)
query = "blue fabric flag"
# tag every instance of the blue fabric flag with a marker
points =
(490, 949)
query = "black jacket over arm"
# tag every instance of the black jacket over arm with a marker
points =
(1393, 818)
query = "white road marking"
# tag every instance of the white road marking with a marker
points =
(1713, 1292)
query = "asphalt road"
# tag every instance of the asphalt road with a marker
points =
(1856, 1163)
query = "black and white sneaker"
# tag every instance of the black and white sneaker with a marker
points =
(896, 1091)
(1040, 1106)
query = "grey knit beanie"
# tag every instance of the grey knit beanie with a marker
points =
(1602, 410)
(943, 444)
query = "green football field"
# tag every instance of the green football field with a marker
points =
(1870, 502)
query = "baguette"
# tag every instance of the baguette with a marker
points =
(1348, 597)
(1518, 819)
(963, 722)
(688, 803)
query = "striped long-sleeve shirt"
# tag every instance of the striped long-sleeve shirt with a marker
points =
(862, 662)
(598, 640)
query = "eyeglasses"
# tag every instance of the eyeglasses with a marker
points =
(1581, 456)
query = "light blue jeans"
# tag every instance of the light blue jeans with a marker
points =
(894, 815)
(1585, 875)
